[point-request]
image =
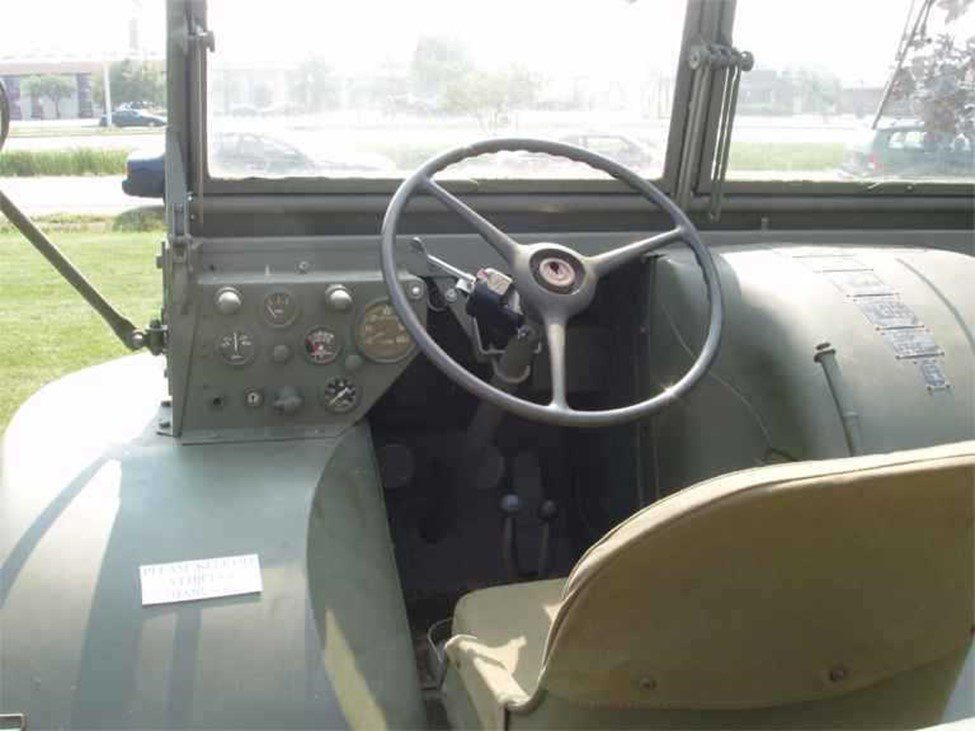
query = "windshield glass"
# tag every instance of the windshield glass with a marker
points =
(868, 89)
(372, 88)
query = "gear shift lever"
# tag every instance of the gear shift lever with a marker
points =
(548, 513)
(510, 507)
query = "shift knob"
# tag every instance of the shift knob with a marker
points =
(287, 400)
(510, 504)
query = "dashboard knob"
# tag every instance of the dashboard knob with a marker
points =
(338, 298)
(287, 400)
(228, 301)
(281, 353)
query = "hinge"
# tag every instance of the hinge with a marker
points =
(203, 39)
(156, 336)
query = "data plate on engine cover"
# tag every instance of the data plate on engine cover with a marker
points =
(887, 313)
(834, 263)
(912, 343)
(860, 283)
(933, 374)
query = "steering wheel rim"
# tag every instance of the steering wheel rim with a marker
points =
(547, 290)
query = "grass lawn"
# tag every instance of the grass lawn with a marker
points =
(785, 156)
(46, 329)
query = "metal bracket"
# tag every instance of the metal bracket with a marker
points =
(724, 63)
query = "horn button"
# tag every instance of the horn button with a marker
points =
(557, 271)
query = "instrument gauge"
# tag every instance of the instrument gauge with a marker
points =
(381, 335)
(237, 348)
(340, 395)
(280, 308)
(322, 346)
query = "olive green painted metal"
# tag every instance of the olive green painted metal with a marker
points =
(325, 643)
(767, 398)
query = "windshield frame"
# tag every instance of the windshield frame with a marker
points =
(704, 20)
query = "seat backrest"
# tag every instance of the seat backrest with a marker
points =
(786, 584)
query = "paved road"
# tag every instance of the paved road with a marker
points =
(96, 194)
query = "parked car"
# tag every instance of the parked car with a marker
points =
(129, 117)
(144, 173)
(908, 151)
(246, 154)
(622, 148)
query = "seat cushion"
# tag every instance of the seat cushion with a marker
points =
(498, 642)
(782, 584)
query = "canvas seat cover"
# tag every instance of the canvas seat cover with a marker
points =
(776, 585)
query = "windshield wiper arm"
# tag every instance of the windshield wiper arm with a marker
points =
(129, 334)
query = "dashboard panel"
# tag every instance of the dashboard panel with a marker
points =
(291, 354)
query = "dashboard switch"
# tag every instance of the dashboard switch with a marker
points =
(254, 398)
(338, 298)
(228, 301)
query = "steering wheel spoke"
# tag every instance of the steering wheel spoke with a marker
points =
(605, 263)
(555, 339)
(502, 243)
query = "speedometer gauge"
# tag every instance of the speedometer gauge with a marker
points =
(381, 336)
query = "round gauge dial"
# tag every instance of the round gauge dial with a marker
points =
(381, 336)
(237, 348)
(322, 346)
(280, 308)
(340, 395)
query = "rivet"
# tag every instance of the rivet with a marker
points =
(647, 683)
(837, 674)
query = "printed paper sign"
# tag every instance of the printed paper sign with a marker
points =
(187, 581)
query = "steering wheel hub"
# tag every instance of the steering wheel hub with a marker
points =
(557, 272)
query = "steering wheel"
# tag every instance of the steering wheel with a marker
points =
(4, 115)
(553, 281)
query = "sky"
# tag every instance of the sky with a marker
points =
(853, 39)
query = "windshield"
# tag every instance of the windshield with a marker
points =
(861, 89)
(373, 88)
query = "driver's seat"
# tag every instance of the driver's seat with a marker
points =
(811, 594)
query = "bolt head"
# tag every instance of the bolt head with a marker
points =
(414, 290)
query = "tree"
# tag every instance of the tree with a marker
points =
(491, 96)
(438, 62)
(55, 88)
(314, 86)
(937, 78)
(132, 81)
